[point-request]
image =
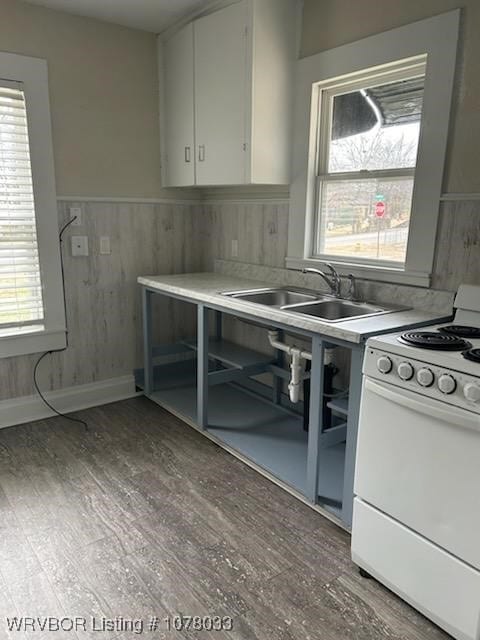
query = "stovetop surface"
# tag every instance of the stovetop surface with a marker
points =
(461, 331)
(435, 340)
(449, 359)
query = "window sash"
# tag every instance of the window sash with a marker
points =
(327, 91)
(317, 239)
(365, 174)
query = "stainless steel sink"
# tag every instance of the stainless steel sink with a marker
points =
(274, 297)
(308, 303)
(336, 310)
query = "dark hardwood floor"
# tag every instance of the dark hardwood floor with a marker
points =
(142, 516)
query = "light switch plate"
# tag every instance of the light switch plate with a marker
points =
(105, 248)
(234, 248)
(79, 246)
(76, 212)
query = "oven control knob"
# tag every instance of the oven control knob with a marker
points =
(447, 384)
(384, 364)
(405, 371)
(471, 392)
(425, 377)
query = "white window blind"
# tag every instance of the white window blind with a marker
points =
(21, 302)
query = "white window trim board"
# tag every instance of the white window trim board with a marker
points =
(437, 38)
(33, 74)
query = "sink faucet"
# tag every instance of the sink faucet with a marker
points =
(332, 279)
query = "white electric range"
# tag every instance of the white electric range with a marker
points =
(416, 525)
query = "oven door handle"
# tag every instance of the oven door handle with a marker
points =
(426, 406)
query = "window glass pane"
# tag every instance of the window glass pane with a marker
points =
(21, 297)
(376, 128)
(367, 219)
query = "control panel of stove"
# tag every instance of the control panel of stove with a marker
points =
(449, 386)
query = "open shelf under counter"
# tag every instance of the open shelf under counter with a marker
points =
(339, 405)
(269, 435)
(232, 354)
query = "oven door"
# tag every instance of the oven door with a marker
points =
(418, 461)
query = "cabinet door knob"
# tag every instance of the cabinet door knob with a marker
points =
(201, 153)
(187, 154)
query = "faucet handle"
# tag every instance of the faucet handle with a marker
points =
(336, 278)
(352, 289)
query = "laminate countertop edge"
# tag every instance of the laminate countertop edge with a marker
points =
(208, 287)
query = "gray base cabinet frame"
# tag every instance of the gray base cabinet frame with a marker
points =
(316, 433)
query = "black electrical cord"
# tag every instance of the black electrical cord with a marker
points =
(46, 353)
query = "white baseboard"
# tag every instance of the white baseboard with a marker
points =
(30, 408)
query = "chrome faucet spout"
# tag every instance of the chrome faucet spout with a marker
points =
(332, 279)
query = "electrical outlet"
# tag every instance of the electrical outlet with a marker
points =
(234, 248)
(79, 246)
(105, 248)
(76, 212)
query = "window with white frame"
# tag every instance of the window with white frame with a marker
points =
(32, 317)
(370, 137)
(21, 298)
(368, 134)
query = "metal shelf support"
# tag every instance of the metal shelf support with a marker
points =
(202, 366)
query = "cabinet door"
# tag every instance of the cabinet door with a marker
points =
(221, 96)
(179, 105)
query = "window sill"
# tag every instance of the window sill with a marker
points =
(35, 342)
(366, 272)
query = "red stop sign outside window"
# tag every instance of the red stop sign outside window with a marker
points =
(380, 209)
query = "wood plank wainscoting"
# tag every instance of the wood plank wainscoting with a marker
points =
(103, 300)
(102, 297)
(261, 230)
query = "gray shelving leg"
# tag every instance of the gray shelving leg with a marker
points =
(218, 325)
(352, 432)
(218, 334)
(315, 422)
(202, 366)
(147, 341)
(277, 381)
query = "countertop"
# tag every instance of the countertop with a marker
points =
(207, 288)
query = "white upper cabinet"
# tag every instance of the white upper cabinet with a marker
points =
(227, 87)
(220, 83)
(178, 104)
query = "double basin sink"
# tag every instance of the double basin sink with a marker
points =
(309, 303)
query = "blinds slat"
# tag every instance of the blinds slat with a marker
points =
(24, 311)
(12, 92)
(10, 99)
(21, 301)
(20, 325)
(26, 268)
(12, 302)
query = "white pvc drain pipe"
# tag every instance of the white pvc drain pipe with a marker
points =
(296, 365)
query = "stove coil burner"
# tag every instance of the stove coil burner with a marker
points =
(461, 331)
(432, 340)
(472, 354)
